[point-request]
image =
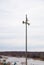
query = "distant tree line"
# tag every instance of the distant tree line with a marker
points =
(34, 55)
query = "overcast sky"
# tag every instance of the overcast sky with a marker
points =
(12, 31)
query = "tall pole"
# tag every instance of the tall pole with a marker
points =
(26, 22)
(26, 39)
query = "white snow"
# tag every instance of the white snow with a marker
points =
(21, 61)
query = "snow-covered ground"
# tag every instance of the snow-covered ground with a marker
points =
(21, 61)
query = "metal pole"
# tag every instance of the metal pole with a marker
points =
(26, 39)
(26, 36)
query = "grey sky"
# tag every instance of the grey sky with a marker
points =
(12, 31)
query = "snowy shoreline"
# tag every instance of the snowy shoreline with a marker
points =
(21, 61)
